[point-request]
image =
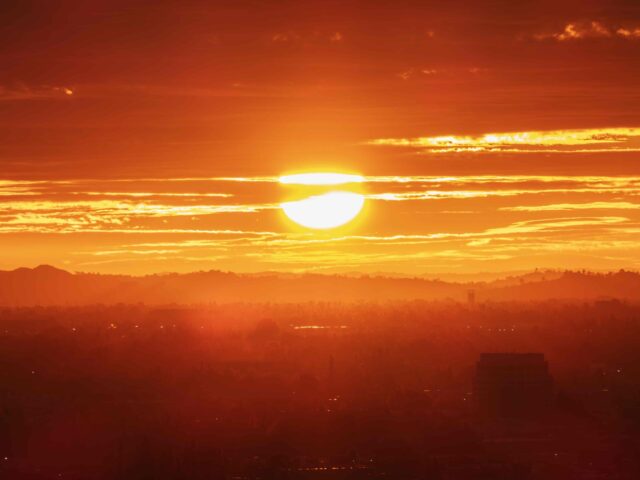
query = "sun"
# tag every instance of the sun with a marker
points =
(327, 210)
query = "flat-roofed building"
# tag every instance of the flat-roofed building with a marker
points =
(513, 385)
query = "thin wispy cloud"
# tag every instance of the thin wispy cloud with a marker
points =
(227, 221)
(586, 30)
(550, 141)
(64, 206)
(85, 215)
(575, 206)
(40, 92)
(303, 252)
(307, 38)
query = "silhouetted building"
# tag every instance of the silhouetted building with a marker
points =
(471, 297)
(513, 385)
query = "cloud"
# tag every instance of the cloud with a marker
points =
(284, 37)
(417, 72)
(289, 241)
(41, 92)
(150, 199)
(628, 33)
(576, 187)
(575, 206)
(320, 179)
(595, 235)
(97, 215)
(435, 195)
(151, 194)
(406, 74)
(220, 90)
(291, 37)
(585, 30)
(554, 141)
(231, 222)
(553, 225)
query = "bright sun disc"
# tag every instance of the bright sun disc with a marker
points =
(324, 211)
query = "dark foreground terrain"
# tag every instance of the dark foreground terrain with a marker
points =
(315, 391)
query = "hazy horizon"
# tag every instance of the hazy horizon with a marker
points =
(443, 275)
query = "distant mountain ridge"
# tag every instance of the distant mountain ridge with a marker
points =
(46, 285)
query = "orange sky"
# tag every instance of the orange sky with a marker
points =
(149, 136)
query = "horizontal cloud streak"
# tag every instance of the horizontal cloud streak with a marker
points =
(233, 222)
(588, 30)
(575, 206)
(85, 215)
(76, 205)
(593, 235)
(596, 140)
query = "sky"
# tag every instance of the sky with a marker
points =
(151, 136)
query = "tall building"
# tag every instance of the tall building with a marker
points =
(513, 385)
(471, 297)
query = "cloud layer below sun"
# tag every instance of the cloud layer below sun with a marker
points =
(411, 224)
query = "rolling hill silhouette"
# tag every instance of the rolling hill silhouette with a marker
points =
(46, 285)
